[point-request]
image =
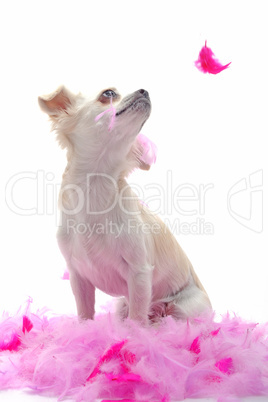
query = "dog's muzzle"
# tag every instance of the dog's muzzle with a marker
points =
(139, 100)
(144, 93)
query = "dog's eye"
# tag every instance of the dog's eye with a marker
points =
(109, 94)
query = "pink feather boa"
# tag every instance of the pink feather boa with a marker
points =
(106, 358)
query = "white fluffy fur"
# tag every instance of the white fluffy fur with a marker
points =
(147, 267)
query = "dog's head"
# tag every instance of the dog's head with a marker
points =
(104, 128)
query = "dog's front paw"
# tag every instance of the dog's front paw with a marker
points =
(139, 316)
(122, 311)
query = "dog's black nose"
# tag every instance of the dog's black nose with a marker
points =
(144, 93)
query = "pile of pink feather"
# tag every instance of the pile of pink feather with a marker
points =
(106, 358)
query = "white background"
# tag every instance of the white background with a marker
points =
(210, 131)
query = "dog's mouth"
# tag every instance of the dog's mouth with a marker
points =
(140, 99)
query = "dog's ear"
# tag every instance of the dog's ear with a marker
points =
(56, 102)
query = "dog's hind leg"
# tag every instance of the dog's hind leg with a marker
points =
(189, 302)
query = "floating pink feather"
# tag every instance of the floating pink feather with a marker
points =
(207, 63)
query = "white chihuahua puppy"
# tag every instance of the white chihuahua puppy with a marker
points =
(109, 238)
